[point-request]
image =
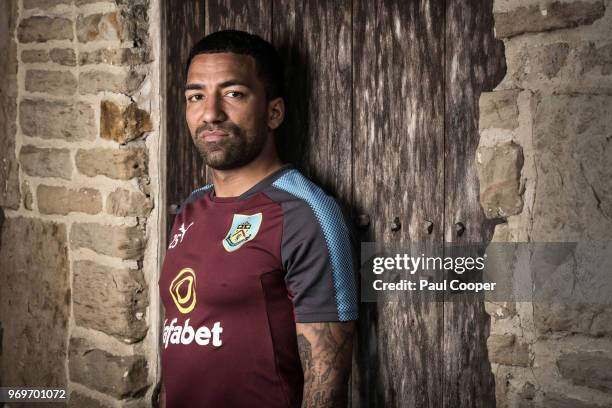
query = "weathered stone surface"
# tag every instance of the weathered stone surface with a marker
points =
(41, 29)
(111, 300)
(44, 162)
(62, 200)
(34, 56)
(530, 19)
(63, 56)
(121, 242)
(119, 376)
(57, 120)
(556, 400)
(506, 349)
(591, 319)
(43, 4)
(499, 168)
(591, 369)
(52, 82)
(99, 27)
(9, 167)
(594, 58)
(135, 16)
(78, 400)
(533, 66)
(34, 302)
(123, 163)
(115, 56)
(499, 109)
(124, 203)
(572, 155)
(100, 81)
(123, 123)
(27, 195)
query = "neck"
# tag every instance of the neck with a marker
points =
(234, 182)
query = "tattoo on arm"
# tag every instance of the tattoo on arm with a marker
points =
(325, 352)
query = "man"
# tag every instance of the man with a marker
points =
(258, 283)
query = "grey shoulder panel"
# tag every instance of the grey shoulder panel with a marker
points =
(316, 251)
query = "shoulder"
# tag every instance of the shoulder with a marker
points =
(304, 200)
(194, 195)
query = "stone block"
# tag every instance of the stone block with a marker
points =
(110, 300)
(499, 169)
(574, 178)
(556, 400)
(34, 56)
(591, 319)
(63, 56)
(26, 193)
(118, 376)
(555, 15)
(34, 302)
(118, 241)
(92, 82)
(42, 29)
(593, 58)
(57, 120)
(123, 163)
(43, 162)
(96, 27)
(533, 66)
(62, 83)
(123, 123)
(62, 200)
(589, 369)
(499, 109)
(43, 4)
(505, 349)
(116, 56)
(125, 203)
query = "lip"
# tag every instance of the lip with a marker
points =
(213, 136)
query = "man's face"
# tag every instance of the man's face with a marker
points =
(226, 109)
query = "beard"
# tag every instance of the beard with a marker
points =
(237, 149)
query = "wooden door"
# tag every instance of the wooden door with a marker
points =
(382, 100)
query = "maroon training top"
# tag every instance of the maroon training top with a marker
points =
(238, 274)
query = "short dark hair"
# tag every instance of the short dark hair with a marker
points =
(268, 63)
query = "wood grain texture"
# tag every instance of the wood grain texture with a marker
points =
(184, 22)
(314, 39)
(246, 15)
(398, 171)
(474, 63)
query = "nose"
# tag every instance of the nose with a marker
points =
(212, 110)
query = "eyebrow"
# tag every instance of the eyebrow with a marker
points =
(225, 84)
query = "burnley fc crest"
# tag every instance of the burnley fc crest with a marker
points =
(243, 229)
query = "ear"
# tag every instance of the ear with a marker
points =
(276, 112)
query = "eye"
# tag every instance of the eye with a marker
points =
(235, 94)
(195, 97)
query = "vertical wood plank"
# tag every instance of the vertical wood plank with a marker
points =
(475, 63)
(314, 39)
(252, 16)
(184, 26)
(398, 172)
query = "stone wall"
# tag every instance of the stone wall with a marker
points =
(545, 166)
(80, 152)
